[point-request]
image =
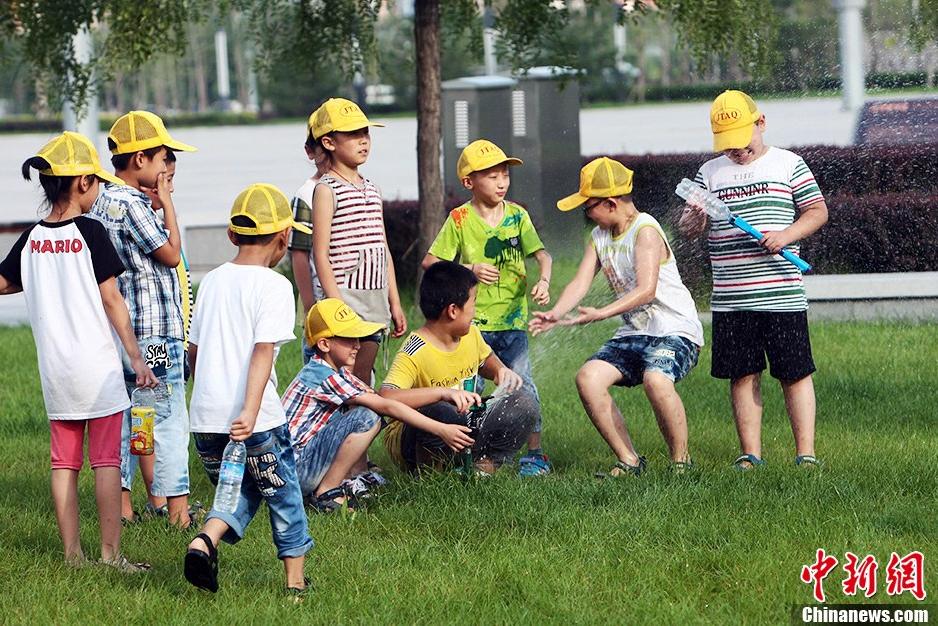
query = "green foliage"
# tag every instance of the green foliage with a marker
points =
(925, 24)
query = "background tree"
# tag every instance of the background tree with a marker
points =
(340, 34)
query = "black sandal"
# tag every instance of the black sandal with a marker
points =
(200, 567)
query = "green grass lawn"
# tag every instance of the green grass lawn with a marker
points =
(716, 546)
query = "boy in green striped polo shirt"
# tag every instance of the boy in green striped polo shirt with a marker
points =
(758, 302)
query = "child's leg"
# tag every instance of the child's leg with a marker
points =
(504, 428)
(66, 448)
(147, 466)
(511, 347)
(669, 411)
(215, 529)
(65, 499)
(107, 493)
(365, 361)
(104, 453)
(293, 569)
(800, 401)
(350, 453)
(593, 382)
(746, 396)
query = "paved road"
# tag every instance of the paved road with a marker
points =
(230, 158)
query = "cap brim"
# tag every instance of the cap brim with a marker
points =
(178, 146)
(348, 128)
(109, 178)
(302, 228)
(571, 202)
(361, 329)
(484, 166)
(733, 139)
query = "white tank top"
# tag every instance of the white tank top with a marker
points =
(672, 312)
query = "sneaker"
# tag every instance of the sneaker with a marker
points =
(122, 565)
(534, 465)
(356, 487)
(150, 511)
(373, 478)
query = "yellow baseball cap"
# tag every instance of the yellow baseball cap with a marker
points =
(73, 154)
(600, 178)
(142, 130)
(330, 317)
(480, 155)
(337, 114)
(267, 207)
(732, 117)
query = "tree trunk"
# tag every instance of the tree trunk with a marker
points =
(429, 120)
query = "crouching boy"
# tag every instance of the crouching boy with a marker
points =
(660, 336)
(333, 415)
(244, 312)
(429, 371)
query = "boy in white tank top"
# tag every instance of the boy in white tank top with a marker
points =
(660, 336)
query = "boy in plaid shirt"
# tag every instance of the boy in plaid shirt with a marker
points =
(333, 416)
(150, 249)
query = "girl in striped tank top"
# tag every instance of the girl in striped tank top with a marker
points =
(350, 249)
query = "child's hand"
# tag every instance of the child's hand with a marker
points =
(485, 272)
(587, 314)
(774, 241)
(456, 436)
(145, 377)
(399, 321)
(693, 221)
(541, 322)
(243, 427)
(541, 292)
(154, 198)
(164, 190)
(508, 380)
(462, 400)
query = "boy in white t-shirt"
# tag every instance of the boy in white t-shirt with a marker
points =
(244, 312)
(660, 336)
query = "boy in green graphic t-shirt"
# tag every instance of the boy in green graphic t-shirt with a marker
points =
(493, 237)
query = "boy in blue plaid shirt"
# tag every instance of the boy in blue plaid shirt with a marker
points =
(150, 250)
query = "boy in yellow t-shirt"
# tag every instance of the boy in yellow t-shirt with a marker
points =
(492, 237)
(429, 371)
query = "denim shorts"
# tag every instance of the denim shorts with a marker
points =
(633, 355)
(315, 458)
(511, 348)
(166, 357)
(269, 475)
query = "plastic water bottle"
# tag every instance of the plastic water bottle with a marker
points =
(142, 415)
(229, 477)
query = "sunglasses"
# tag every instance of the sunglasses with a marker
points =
(589, 207)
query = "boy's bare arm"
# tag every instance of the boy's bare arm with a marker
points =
(428, 260)
(299, 260)
(6, 287)
(418, 397)
(572, 294)
(193, 353)
(812, 218)
(394, 298)
(541, 290)
(117, 314)
(323, 210)
(455, 435)
(650, 252)
(493, 369)
(170, 253)
(693, 222)
(262, 360)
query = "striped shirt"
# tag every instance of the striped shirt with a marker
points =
(150, 288)
(315, 396)
(767, 193)
(357, 246)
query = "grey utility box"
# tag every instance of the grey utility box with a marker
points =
(474, 107)
(545, 128)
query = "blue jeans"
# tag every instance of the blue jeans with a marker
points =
(166, 357)
(315, 458)
(269, 475)
(511, 347)
(633, 355)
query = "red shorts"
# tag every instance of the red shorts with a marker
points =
(67, 438)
